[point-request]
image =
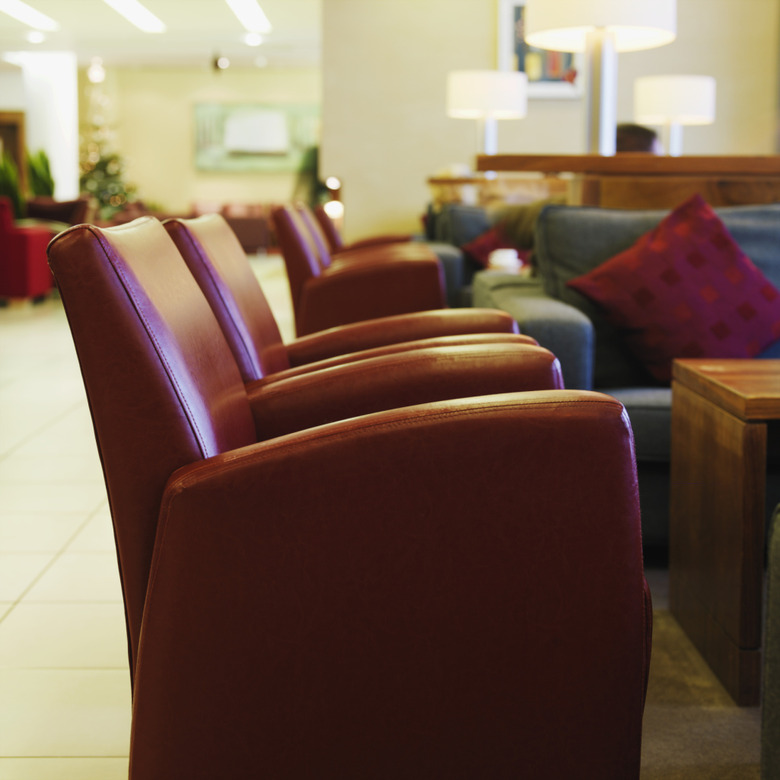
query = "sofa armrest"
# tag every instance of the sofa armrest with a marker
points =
(555, 325)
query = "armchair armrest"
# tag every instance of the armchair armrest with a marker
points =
(466, 339)
(355, 291)
(383, 331)
(561, 328)
(281, 406)
(310, 609)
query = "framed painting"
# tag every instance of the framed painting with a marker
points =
(551, 74)
(264, 138)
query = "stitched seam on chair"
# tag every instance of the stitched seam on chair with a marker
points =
(160, 355)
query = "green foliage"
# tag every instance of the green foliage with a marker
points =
(103, 180)
(39, 178)
(10, 186)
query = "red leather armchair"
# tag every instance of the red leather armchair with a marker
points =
(336, 243)
(452, 589)
(219, 265)
(326, 292)
(23, 269)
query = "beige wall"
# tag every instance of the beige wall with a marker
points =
(153, 112)
(385, 64)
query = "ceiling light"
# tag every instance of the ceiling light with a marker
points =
(27, 15)
(250, 15)
(96, 73)
(253, 39)
(35, 36)
(137, 14)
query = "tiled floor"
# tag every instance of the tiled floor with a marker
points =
(64, 683)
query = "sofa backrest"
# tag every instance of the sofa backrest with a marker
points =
(572, 240)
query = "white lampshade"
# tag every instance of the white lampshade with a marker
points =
(674, 101)
(479, 94)
(684, 100)
(487, 95)
(600, 29)
(563, 25)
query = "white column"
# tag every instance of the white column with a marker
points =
(51, 114)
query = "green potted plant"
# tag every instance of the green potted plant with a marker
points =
(39, 179)
(10, 185)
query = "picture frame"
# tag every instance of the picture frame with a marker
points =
(555, 75)
(254, 137)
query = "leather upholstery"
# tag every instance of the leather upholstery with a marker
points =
(450, 589)
(23, 269)
(380, 623)
(165, 389)
(375, 283)
(215, 258)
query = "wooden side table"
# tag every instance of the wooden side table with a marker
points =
(720, 410)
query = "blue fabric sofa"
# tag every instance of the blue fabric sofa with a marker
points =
(570, 241)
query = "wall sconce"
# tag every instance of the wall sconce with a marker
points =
(487, 95)
(673, 101)
(600, 29)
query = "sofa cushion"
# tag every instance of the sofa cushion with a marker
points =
(685, 289)
(572, 240)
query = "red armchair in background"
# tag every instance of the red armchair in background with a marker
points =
(336, 243)
(214, 256)
(24, 272)
(375, 282)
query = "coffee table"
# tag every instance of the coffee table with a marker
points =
(720, 410)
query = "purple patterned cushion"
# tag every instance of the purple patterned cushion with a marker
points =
(685, 289)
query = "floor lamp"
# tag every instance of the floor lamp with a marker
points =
(673, 101)
(487, 96)
(600, 29)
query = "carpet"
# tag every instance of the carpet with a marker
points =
(692, 728)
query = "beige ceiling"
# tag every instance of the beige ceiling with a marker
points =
(197, 30)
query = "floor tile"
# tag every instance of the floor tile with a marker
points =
(38, 533)
(52, 468)
(63, 768)
(64, 713)
(18, 571)
(64, 636)
(76, 576)
(39, 498)
(97, 535)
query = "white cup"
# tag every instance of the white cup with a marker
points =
(504, 260)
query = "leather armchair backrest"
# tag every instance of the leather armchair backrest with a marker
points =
(329, 229)
(163, 387)
(215, 257)
(301, 257)
(315, 231)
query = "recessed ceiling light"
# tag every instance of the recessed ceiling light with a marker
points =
(137, 14)
(27, 15)
(251, 15)
(35, 36)
(253, 39)
(96, 73)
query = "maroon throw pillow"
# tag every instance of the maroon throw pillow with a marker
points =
(479, 248)
(686, 289)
